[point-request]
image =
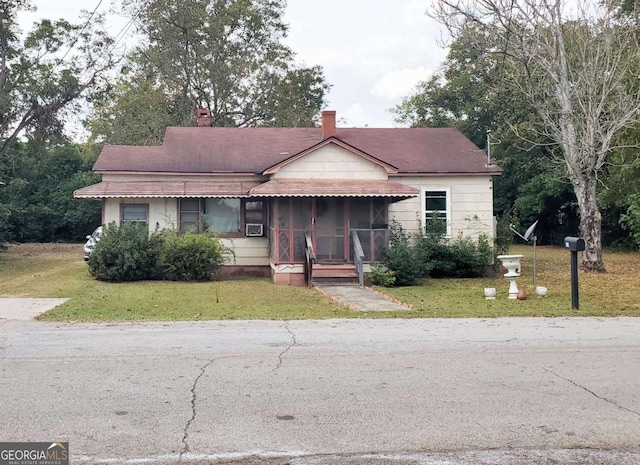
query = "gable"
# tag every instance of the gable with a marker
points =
(330, 161)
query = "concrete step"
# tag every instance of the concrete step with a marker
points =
(343, 270)
(335, 274)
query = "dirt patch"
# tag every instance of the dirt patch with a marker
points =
(50, 250)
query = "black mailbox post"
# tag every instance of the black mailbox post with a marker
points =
(575, 245)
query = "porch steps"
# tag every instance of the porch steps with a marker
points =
(335, 274)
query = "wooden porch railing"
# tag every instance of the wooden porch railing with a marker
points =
(358, 257)
(309, 259)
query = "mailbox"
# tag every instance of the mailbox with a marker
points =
(575, 244)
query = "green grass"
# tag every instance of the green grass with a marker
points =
(57, 270)
(614, 293)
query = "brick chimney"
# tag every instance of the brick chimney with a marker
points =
(203, 117)
(328, 124)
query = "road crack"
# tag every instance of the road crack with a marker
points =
(185, 436)
(612, 402)
(281, 355)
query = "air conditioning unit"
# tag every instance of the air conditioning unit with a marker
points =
(253, 229)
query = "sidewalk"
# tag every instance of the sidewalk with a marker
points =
(361, 299)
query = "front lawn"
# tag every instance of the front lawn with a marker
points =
(614, 293)
(57, 270)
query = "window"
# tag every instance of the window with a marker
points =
(189, 215)
(222, 215)
(138, 213)
(254, 215)
(225, 216)
(436, 205)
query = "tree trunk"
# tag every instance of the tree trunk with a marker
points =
(590, 224)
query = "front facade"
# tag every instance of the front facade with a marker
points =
(273, 194)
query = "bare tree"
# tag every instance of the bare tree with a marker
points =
(578, 65)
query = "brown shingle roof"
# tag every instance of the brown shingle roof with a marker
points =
(252, 150)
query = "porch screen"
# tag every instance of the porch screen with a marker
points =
(291, 218)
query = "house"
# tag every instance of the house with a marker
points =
(276, 194)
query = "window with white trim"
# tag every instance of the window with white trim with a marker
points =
(138, 213)
(436, 206)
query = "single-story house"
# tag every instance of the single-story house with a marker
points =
(276, 194)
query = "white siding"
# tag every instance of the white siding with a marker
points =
(163, 213)
(249, 251)
(331, 162)
(471, 203)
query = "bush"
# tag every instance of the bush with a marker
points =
(400, 256)
(381, 276)
(631, 219)
(124, 253)
(432, 251)
(190, 256)
(434, 256)
(470, 257)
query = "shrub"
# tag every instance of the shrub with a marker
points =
(191, 256)
(470, 257)
(381, 276)
(435, 256)
(432, 251)
(400, 256)
(631, 219)
(124, 253)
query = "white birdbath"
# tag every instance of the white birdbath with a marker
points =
(512, 264)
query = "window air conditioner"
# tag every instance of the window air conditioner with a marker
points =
(253, 229)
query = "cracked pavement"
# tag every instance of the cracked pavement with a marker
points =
(185, 436)
(281, 355)
(503, 391)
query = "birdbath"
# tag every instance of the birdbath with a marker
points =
(512, 264)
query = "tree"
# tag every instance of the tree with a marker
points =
(468, 92)
(38, 201)
(224, 55)
(580, 76)
(47, 73)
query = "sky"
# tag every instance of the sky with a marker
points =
(373, 51)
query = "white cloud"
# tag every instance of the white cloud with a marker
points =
(373, 52)
(396, 84)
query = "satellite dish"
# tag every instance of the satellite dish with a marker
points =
(529, 231)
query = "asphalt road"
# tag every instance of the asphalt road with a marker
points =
(504, 391)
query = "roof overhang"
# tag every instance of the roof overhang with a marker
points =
(333, 188)
(159, 189)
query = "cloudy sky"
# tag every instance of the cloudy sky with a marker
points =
(373, 51)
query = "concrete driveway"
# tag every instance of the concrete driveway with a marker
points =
(14, 308)
(503, 391)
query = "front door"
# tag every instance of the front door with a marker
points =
(328, 217)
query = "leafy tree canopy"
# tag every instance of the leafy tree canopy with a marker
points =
(47, 72)
(223, 55)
